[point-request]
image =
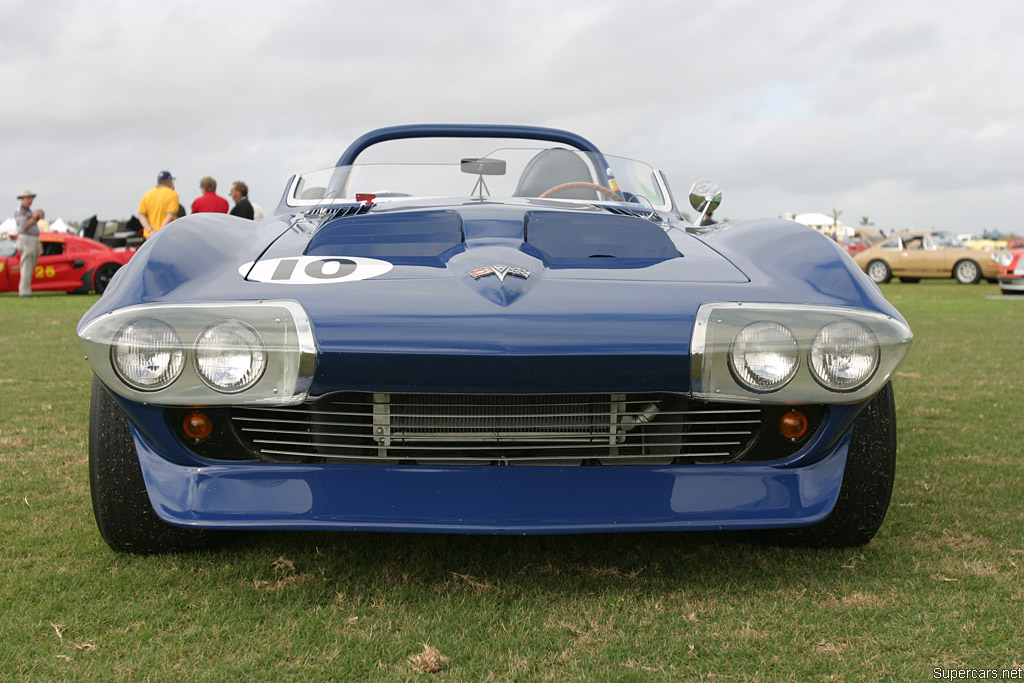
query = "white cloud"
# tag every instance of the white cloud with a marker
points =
(906, 112)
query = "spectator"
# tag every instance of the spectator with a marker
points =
(240, 195)
(210, 202)
(159, 206)
(28, 240)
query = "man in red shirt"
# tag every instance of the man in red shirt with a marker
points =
(210, 202)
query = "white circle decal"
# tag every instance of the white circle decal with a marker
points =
(313, 270)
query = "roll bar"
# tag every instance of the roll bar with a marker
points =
(446, 130)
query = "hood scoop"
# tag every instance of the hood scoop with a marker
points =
(420, 238)
(568, 240)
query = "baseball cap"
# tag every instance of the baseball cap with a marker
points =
(163, 176)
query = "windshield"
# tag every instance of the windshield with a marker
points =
(555, 173)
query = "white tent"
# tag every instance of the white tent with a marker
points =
(10, 227)
(818, 221)
(60, 226)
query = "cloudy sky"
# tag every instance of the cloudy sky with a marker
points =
(909, 112)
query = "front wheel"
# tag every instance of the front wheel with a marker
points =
(867, 483)
(967, 272)
(123, 512)
(102, 277)
(879, 272)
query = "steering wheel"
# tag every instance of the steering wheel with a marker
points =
(580, 184)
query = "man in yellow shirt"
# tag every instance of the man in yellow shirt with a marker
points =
(159, 206)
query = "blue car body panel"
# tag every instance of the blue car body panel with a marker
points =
(491, 500)
(598, 313)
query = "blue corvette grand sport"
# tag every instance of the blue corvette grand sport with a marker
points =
(520, 335)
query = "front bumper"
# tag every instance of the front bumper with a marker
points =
(1013, 283)
(491, 500)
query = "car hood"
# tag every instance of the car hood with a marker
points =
(536, 240)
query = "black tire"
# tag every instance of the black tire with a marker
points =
(967, 272)
(101, 278)
(867, 483)
(910, 280)
(123, 512)
(879, 271)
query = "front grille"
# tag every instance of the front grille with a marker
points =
(500, 429)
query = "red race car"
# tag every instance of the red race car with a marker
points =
(1011, 270)
(67, 263)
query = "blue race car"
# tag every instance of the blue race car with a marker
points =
(520, 335)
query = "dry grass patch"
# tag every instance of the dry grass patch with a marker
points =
(964, 541)
(430, 661)
(589, 571)
(477, 586)
(285, 576)
(856, 599)
(584, 628)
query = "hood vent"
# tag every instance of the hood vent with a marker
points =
(425, 238)
(573, 240)
(329, 213)
(640, 211)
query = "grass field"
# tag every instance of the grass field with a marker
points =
(942, 585)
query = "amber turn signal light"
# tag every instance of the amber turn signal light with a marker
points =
(197, 425)
(793, 424)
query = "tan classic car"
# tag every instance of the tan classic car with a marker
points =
(911, 256)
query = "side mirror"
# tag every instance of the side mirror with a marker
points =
(705, 196)
(483, 166)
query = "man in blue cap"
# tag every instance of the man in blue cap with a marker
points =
(159, 206)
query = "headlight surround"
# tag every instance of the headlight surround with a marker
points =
(844, 355)
(228, 353)
(146, 354)
(764, 356)
(837, 355)
(230, 356)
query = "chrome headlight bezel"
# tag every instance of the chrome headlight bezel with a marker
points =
(127, 343)
(207, 350)
(864, 350)
(771, 343)
(717, 325)
(282, 326)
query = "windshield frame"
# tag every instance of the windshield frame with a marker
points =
(641, 186)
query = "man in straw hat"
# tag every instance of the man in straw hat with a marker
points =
(28, 239)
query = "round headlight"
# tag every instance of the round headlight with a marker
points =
(1002, 258)
(230, 356)
(147, 354)
(764, 356)
(844, 355)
